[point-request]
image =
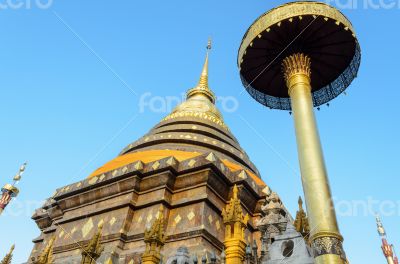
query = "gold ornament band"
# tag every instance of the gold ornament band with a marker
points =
(328, 245)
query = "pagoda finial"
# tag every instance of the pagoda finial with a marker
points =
(94, 249)
(154, 238)
(200, 100)
(7, 259)
(46, 257)
(203, 82)
(202, 87)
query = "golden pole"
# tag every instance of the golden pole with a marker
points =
(325, 238)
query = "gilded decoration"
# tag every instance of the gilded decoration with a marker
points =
(287, 11)
(301, 222)
(233, 213)
(46, 256)
(93, 250)
(328, 245)
(295, 65)
(7, 259)
(154, 238)
(235, 225)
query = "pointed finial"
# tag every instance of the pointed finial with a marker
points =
(203, 82)
(209, 43)
(301, 222)
(300, 203)
(202, 87)
(235, 192)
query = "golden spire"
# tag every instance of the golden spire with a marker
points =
(301, 222)
(46, 257)
(154, 238)
(200, 100)
(233, 212)
(94, 249)
(202, 87)
(203, 82)
(235, 224)
(7, 259)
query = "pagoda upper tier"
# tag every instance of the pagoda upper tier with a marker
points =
(193, 128)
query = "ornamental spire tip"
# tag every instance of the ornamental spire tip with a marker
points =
(202, 86)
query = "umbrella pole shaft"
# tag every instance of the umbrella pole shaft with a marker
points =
(325, 238)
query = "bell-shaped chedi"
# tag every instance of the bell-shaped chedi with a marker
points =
(188, 164)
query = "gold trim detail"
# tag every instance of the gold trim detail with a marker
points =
(154, 238)
(295, 67)
(328, 245)
(287, 11)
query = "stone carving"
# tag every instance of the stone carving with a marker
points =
(275, 220)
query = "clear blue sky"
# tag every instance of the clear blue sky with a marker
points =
(67, 107)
